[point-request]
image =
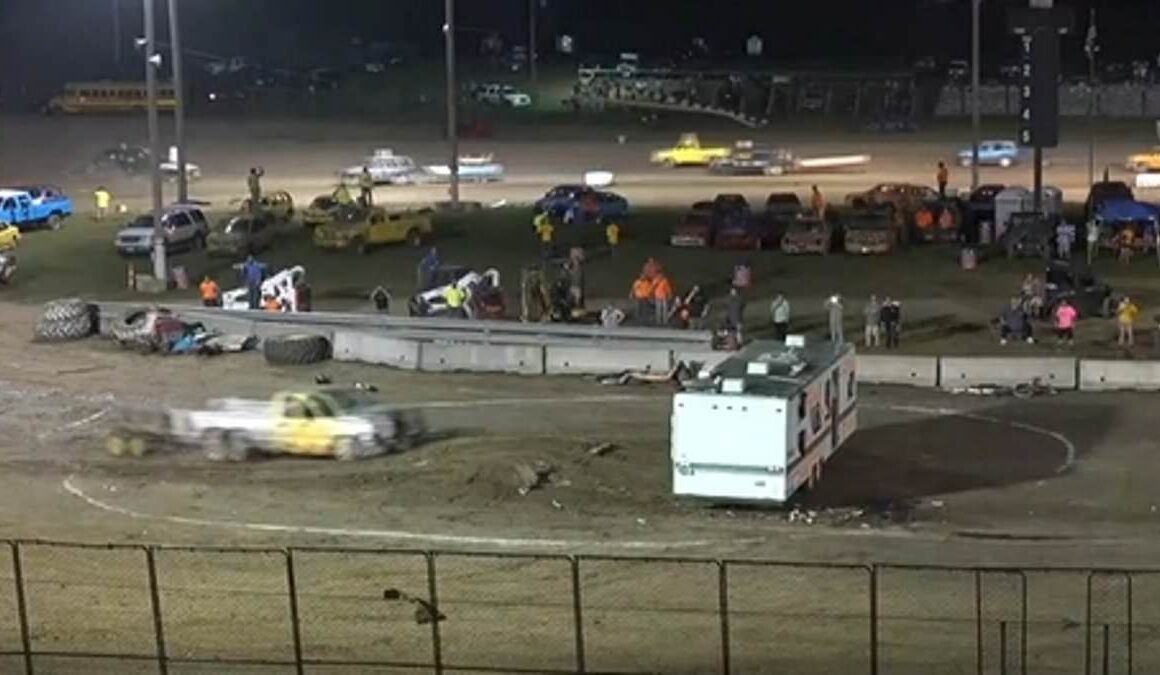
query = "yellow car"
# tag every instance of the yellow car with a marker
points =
(689, 152)
(9, 236)
(362, 228)
(1143, 162)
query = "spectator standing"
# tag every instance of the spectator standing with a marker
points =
(735, 313)
(872, 317)
(104, 200)
(1065, 318)
(1014, 323)
(891, 317)
(817, 202)
(1064, 239)
(779, 309)
(835, 313)
(1093, 240)
(1126, 314)
(941, 176)
(1126, 240)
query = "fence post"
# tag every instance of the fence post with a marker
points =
(155, 604)
(578, 615)
(433, 598)
(723, 610)
(295, 624)
(873, 570)
(21, 607)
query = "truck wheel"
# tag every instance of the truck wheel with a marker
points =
(66, 329)
(63, 310)
(54, 221)
(295, 350)
(239, 448)
(350, 449)
(414, 237)
(215, 445)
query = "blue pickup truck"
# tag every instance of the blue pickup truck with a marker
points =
(32, 207)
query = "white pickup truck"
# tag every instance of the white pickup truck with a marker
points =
(342, 423)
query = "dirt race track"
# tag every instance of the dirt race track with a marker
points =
(930, 479)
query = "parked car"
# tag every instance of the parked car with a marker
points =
(362, 229)
(870, 232)
(697, 228)
(958, 70)
(905, 197)
(385, 167)
(184, 227)
(41, 206)
(502, 95)
(242, 234)
(993, 153)
(807, 235)
(563, 201)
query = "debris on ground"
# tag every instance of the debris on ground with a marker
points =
(678, 374)
(363, 386)
(600, 449)
(1023, 390)
(532, 476)
(157, 330)
(557, 505)
(322, 379)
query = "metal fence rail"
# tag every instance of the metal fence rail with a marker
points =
(446, 328)
(125, 608)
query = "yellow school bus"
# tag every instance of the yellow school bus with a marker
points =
(107, 96)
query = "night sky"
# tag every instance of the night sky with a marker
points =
(49, 41)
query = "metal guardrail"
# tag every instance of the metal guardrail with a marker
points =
(159, 609)
(458, 330)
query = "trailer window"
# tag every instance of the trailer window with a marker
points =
(816, 418)
(851, 385)
(802, 407)
(296, 409)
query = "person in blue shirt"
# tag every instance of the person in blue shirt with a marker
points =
(253, 273)
(427, 267)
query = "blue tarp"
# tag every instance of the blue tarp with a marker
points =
(1126, 209)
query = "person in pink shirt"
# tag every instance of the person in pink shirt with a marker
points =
(1065, 318)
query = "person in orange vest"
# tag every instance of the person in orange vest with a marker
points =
(642, 294)
(209, 292)
(662, 296)
(271, 304)
(923, 219)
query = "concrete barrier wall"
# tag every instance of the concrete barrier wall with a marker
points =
(444, 357)
(596, 361)
(1008, 371)
(380, 350)
(916, 371)
(1107, 375)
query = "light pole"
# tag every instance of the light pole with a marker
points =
(976, 114)
(452, 100)
(117, 35)
(532, 42)
(179, 102)
(152, 63)
(1091, 48)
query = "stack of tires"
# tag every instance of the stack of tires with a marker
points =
(65, 320)
(295, 350)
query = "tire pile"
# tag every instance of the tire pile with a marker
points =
(66, 320)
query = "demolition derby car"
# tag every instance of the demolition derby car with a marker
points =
(387, 168)
(362, 228)
(346, 424)
(689, 152)
(807, 235)
(482, 294)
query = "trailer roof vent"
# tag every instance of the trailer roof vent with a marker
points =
(733, 385)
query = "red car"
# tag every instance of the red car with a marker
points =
(698, 228)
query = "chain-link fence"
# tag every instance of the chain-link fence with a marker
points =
(72, 608)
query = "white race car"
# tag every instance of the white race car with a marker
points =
(283, 286)
(472, 169)
(478, 290)
(385, 167)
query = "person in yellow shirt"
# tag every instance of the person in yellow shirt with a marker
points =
(209, 292)
(103, 200)
(612, 235)
(454, 297)
(1126, 314)
(545, 231)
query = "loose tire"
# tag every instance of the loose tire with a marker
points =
(295, 350)
(65, 330)
(63, 310)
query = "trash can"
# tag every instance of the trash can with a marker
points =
(967, 259)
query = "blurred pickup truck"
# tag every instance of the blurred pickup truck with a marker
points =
(32, 207)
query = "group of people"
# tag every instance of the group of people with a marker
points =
(544, 227)
(882, 322)
(652, 294)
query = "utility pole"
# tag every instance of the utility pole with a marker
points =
(452, 100)
(532, 42)
(976, 113)
(117, 35)
(152, 63)
(1091, 48)
(179, 101)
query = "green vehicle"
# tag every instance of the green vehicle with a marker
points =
(242, 234)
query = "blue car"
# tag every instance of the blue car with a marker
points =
(573, 203)
(36, 206)
(994, 153)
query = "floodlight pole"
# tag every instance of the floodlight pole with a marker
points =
(117, 35)
(532, 42)
(160, 268)
(179, 103)
(976, 114)
(452, 100)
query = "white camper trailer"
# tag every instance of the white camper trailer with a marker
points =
(760, 424)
